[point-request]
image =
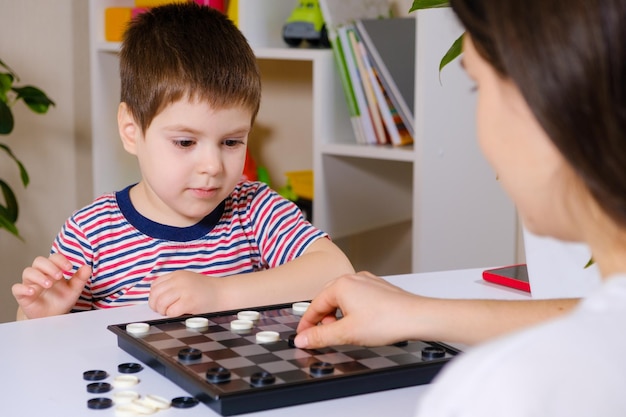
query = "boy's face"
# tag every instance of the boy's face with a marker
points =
(191, 157)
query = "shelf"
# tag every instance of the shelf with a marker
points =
(382, 152)
(103, 46)
(278, 52)
(291, 54)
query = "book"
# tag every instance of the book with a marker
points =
(353, 108)
(396, 132)
(399, 134)
(390, 44)
(338, 13)
(368, 88)
(364, 121)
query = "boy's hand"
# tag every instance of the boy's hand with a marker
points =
(374, 312)
(44, 292)
(183, 292)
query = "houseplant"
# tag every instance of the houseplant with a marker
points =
(37, 101)
(457, 46)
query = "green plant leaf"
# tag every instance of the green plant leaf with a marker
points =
(457, 46)
(8, 68)
(454, 51)
(38, 102)
(6, 119)
(35, 99)
(10, 211)
(23, 173)
(6, 81)
(10, 226)
(428, 4)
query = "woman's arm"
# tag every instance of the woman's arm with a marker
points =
(376, 312)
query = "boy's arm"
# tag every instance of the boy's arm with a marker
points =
(302, 278)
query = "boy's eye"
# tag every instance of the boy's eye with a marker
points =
(232, 142)
(184, 143)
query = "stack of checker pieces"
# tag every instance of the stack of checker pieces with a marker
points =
(233, 373)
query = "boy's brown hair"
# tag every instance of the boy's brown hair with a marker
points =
(185, 50)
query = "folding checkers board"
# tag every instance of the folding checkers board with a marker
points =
(254, 376)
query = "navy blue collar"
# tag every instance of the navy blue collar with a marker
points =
(162, 231)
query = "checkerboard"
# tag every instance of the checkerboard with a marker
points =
(232, 373)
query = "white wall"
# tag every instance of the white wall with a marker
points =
(46, 43)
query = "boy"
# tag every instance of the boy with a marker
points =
(190, 91)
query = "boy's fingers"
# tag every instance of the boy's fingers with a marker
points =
(21, 290)
(79, 279)
(60, 261)
(83, 274)
(52, 267)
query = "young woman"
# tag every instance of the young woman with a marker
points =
(551, 117)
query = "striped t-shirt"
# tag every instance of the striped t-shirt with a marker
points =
(253, 229)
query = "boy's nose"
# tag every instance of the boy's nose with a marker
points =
(210, 163)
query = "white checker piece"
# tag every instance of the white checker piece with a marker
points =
(125, 381)
(138, 329)
(157, 402)
(125, 396)
(197, 323)
(267, 336)
(300, 307)
(241, 324)
(249, 315)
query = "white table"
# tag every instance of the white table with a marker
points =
(43, 360)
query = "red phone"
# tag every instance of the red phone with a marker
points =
(514, 276)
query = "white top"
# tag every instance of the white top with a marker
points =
(570, 367)
(556, 269)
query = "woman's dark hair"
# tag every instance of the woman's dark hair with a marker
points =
(568, 58)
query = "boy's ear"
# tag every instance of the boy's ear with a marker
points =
(130, 132)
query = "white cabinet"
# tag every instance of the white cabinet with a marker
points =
(438, 197)
(461, 215)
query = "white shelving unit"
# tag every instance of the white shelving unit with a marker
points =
(441, 188)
